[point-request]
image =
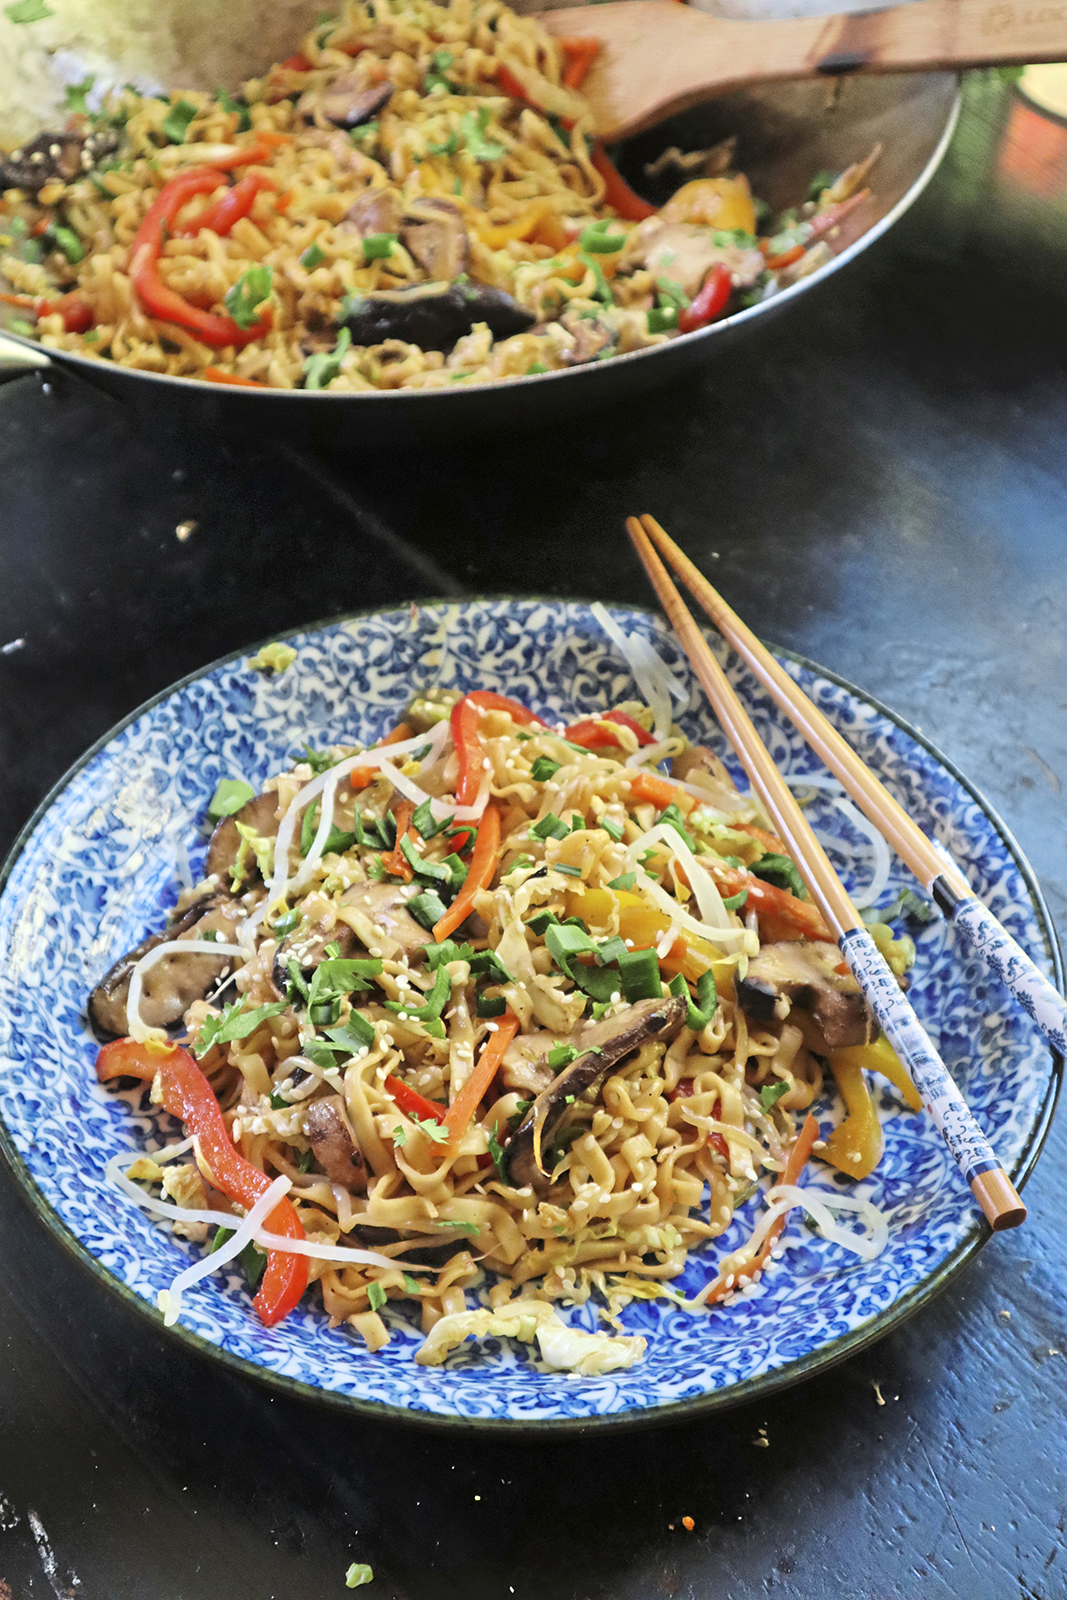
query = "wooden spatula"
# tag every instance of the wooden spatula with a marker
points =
(658, 57)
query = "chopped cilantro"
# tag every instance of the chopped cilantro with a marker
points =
(473, 126)
(231, 105)
(435, 1131)
(499, 1155)
(485, 962)
(625, 880)
(447, 147)
(248, 293)
(535, 368)
(176, 122)
(304, 1163)
(562, 1055)
(230, 795)
(233, 1023)
(376, 1295)
(410, 1284)
(674, 819)
(434, 1002)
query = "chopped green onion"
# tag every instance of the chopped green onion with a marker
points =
(491, 1005)
(376, 1295)
(28, 11)
(612, 828)
(674, 819)
(671, 293)
(67, 241)
(736, 901)
(535, 368)
(543, 769)
(598, 241)
(379, 246)
(549, 827)
(230, 795)
(176, 123)
(231, 105)
(639, 970)
(424, 822)
(410, 1284)
(447, 147)
(662, 320)
(473, 126)
(321, 368)
(567, 870)
(313, 256)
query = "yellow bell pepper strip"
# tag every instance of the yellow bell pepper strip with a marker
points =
(855, 1146)
(187, 1095)
(644, 925)
(723, 203)
(479, 873)
(360, 777)
(459, 1114)
(617, 192)
(525, 224)
(163, 302)
(879, 1056)
(798, 1160)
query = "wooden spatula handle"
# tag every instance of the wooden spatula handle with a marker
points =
(659, 57)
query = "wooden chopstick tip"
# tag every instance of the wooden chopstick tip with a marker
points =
(1000, 1203)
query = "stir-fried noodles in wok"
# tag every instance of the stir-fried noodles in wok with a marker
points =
(414, 199)
(495, 1007)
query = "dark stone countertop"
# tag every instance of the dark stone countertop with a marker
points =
(880, 483)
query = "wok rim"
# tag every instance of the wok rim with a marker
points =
(92, 367)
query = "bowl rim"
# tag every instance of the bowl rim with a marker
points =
(456, 395)
(697, 1406)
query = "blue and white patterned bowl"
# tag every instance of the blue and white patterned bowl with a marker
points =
(97, 866)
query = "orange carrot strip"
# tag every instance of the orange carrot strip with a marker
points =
(769, 841)
(395, 861)
(218, 375)
(580, 53)
(479, 873)
(463, 1107)
(798, 1159)
(647, 787)
(359, 777)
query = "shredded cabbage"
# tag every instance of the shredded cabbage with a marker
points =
(566, 1349)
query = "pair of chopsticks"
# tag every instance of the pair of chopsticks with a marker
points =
(989, 1183)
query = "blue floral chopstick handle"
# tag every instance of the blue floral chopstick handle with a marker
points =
(967, 1144)
(1009, 961)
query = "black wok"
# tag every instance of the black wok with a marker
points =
(785, 134)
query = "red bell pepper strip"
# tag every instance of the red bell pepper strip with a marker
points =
(155, 296)
(411, 1101)
(479, 873)
(617, 192)
(76, 313)
(132, 1058)
(511, 85)
(220, 216)
(217, 375)
(709, 303)
(360, 777)
(188, 1096)
(581, 52)
(297, 63)
(591, 733)
(466, 715)
(474, 1090)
